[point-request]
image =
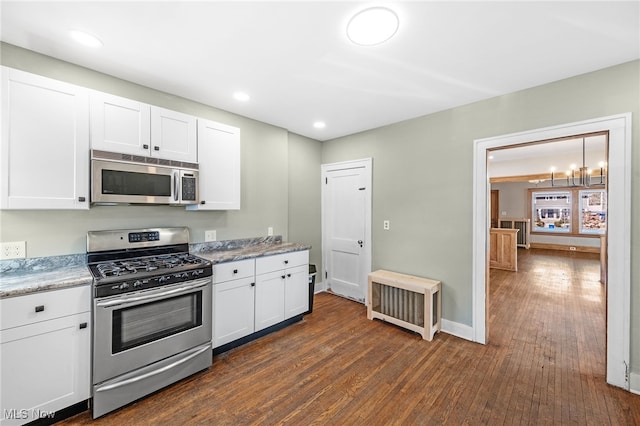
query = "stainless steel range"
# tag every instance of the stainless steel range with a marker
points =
(151, 312)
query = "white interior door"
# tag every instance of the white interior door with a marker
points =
(346, 217)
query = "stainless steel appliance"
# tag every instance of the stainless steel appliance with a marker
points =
(151, 310)
(132, 179)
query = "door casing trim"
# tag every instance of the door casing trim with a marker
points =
(618, 241)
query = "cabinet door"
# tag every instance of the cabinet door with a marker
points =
(269, 299)
(45, 367)
(119, 124)
(233, 311)
(45, 143)
(219, 159)
(173, 135)
(296, 291)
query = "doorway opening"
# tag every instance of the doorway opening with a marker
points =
(552, 194)
(617, 246)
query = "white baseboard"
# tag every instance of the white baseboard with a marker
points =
(319, 287)
(634, 383)
(456, 329)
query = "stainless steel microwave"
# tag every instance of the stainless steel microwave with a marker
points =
(132, 179)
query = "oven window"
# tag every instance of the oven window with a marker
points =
(132, 183)
(152, 321)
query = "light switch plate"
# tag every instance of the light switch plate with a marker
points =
(270, 231)
(13, 250)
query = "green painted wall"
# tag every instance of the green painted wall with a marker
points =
(304, 195)
(423, 182)
(267, 197)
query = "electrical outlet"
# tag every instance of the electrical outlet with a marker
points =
(385, 225)
(14, 250)
(210, 235)
(572, 248)
(270, 231)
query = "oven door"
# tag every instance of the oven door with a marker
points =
(136, 329)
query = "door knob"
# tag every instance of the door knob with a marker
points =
(360, 242)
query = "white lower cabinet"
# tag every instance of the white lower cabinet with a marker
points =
(252, 295)
(233, 301)
(282, 290)
(269, 299)
(296, 291)
(233, 312)
(45, 363)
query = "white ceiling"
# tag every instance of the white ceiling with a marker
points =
(295, 61)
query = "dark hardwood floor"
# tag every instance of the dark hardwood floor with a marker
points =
(544, 364)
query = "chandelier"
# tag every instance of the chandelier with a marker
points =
(579, 176)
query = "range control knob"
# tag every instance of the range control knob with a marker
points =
(123, 286)
(137, 284)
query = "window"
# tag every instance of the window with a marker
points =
(552, 212)
(570, 211)
(593, 211)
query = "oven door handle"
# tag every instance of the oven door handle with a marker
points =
(154, 372)
(131, 299)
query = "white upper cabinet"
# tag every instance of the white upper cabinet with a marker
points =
(130, 127)
(120, 125)
(219, 160)
(44, 157)
(173, 135)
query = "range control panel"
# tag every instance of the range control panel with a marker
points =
(139, 237)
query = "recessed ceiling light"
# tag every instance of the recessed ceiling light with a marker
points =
(319, 125)
(85, 38)
(241, 96)
(372, 26)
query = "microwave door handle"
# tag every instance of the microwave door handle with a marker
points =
(176, 188)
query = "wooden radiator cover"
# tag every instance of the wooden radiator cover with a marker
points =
(405, 300)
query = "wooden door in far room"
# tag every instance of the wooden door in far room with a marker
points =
(346, 220)
(495, 208)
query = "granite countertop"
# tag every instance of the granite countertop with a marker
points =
(23, 276)
(247, 252)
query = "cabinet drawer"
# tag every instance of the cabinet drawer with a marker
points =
(233, 270)
(281, 261)
(32, 308)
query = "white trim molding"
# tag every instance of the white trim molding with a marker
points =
(618, 242)
(456, 329)
(634, 383)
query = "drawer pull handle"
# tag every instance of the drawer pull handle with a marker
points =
(235, 271)
(145, 146)
(253, 284)
(83, 325)
(286, 262)
(282, 277)
(288, 275)
(39, 308)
